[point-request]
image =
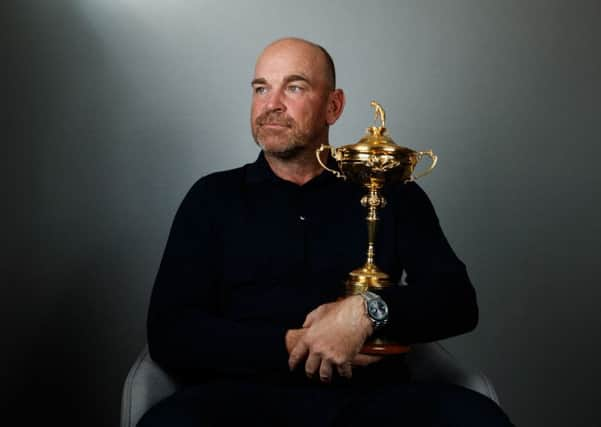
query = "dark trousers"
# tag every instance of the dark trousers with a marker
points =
(231, 403)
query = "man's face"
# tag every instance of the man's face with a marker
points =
(290, 99)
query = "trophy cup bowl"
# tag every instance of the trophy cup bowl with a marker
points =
(372, 162)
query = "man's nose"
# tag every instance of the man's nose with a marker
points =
(276, 100)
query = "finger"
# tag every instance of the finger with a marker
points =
(345, 370)
(298, 353)
(312, 364)
(310, 318)
(313, 316)
(325, 371)
(366, 359)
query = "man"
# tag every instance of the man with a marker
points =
(246, 310)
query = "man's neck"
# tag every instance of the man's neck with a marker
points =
(299, 170)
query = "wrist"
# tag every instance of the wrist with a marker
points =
(363, 321)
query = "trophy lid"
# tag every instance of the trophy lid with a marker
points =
(375, 141)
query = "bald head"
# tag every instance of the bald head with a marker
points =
(324, 61)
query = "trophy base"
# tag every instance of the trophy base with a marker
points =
(382, 347)
(371, 278)
(368, 277)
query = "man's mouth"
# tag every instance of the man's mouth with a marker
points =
(279, 125)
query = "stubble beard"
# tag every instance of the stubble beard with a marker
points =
(289, 147)
(293, 148)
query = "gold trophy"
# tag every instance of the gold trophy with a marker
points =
(371, 162)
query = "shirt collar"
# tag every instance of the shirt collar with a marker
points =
(260, 171)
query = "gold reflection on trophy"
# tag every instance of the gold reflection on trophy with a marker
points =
(371, 162)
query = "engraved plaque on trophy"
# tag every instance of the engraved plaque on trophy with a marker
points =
(373, 161)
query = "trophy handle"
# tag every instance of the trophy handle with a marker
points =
(333, 154)
(433, 158)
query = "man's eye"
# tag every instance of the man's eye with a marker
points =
(260, 90)
(295, 88)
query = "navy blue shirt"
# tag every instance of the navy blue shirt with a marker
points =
(250, 254)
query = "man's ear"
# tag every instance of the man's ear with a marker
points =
(336, 101)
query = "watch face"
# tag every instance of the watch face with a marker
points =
(378, 310)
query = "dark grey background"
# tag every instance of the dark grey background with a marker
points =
(112, 109)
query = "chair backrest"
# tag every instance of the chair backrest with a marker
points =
(145, 385)
(431, 362)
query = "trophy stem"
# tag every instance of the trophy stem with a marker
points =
(369, 276)
(372, 219)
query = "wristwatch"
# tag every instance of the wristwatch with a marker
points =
(376, 308)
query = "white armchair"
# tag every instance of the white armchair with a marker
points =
(147, 384)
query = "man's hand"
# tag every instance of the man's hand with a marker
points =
(318, 313)
(331, 337)
(293, 335)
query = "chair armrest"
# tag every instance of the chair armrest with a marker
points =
(431, 362)
(145, 384)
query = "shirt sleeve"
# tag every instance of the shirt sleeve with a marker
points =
(438, 300)
(186, 334)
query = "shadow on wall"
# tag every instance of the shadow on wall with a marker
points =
(84, 163)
